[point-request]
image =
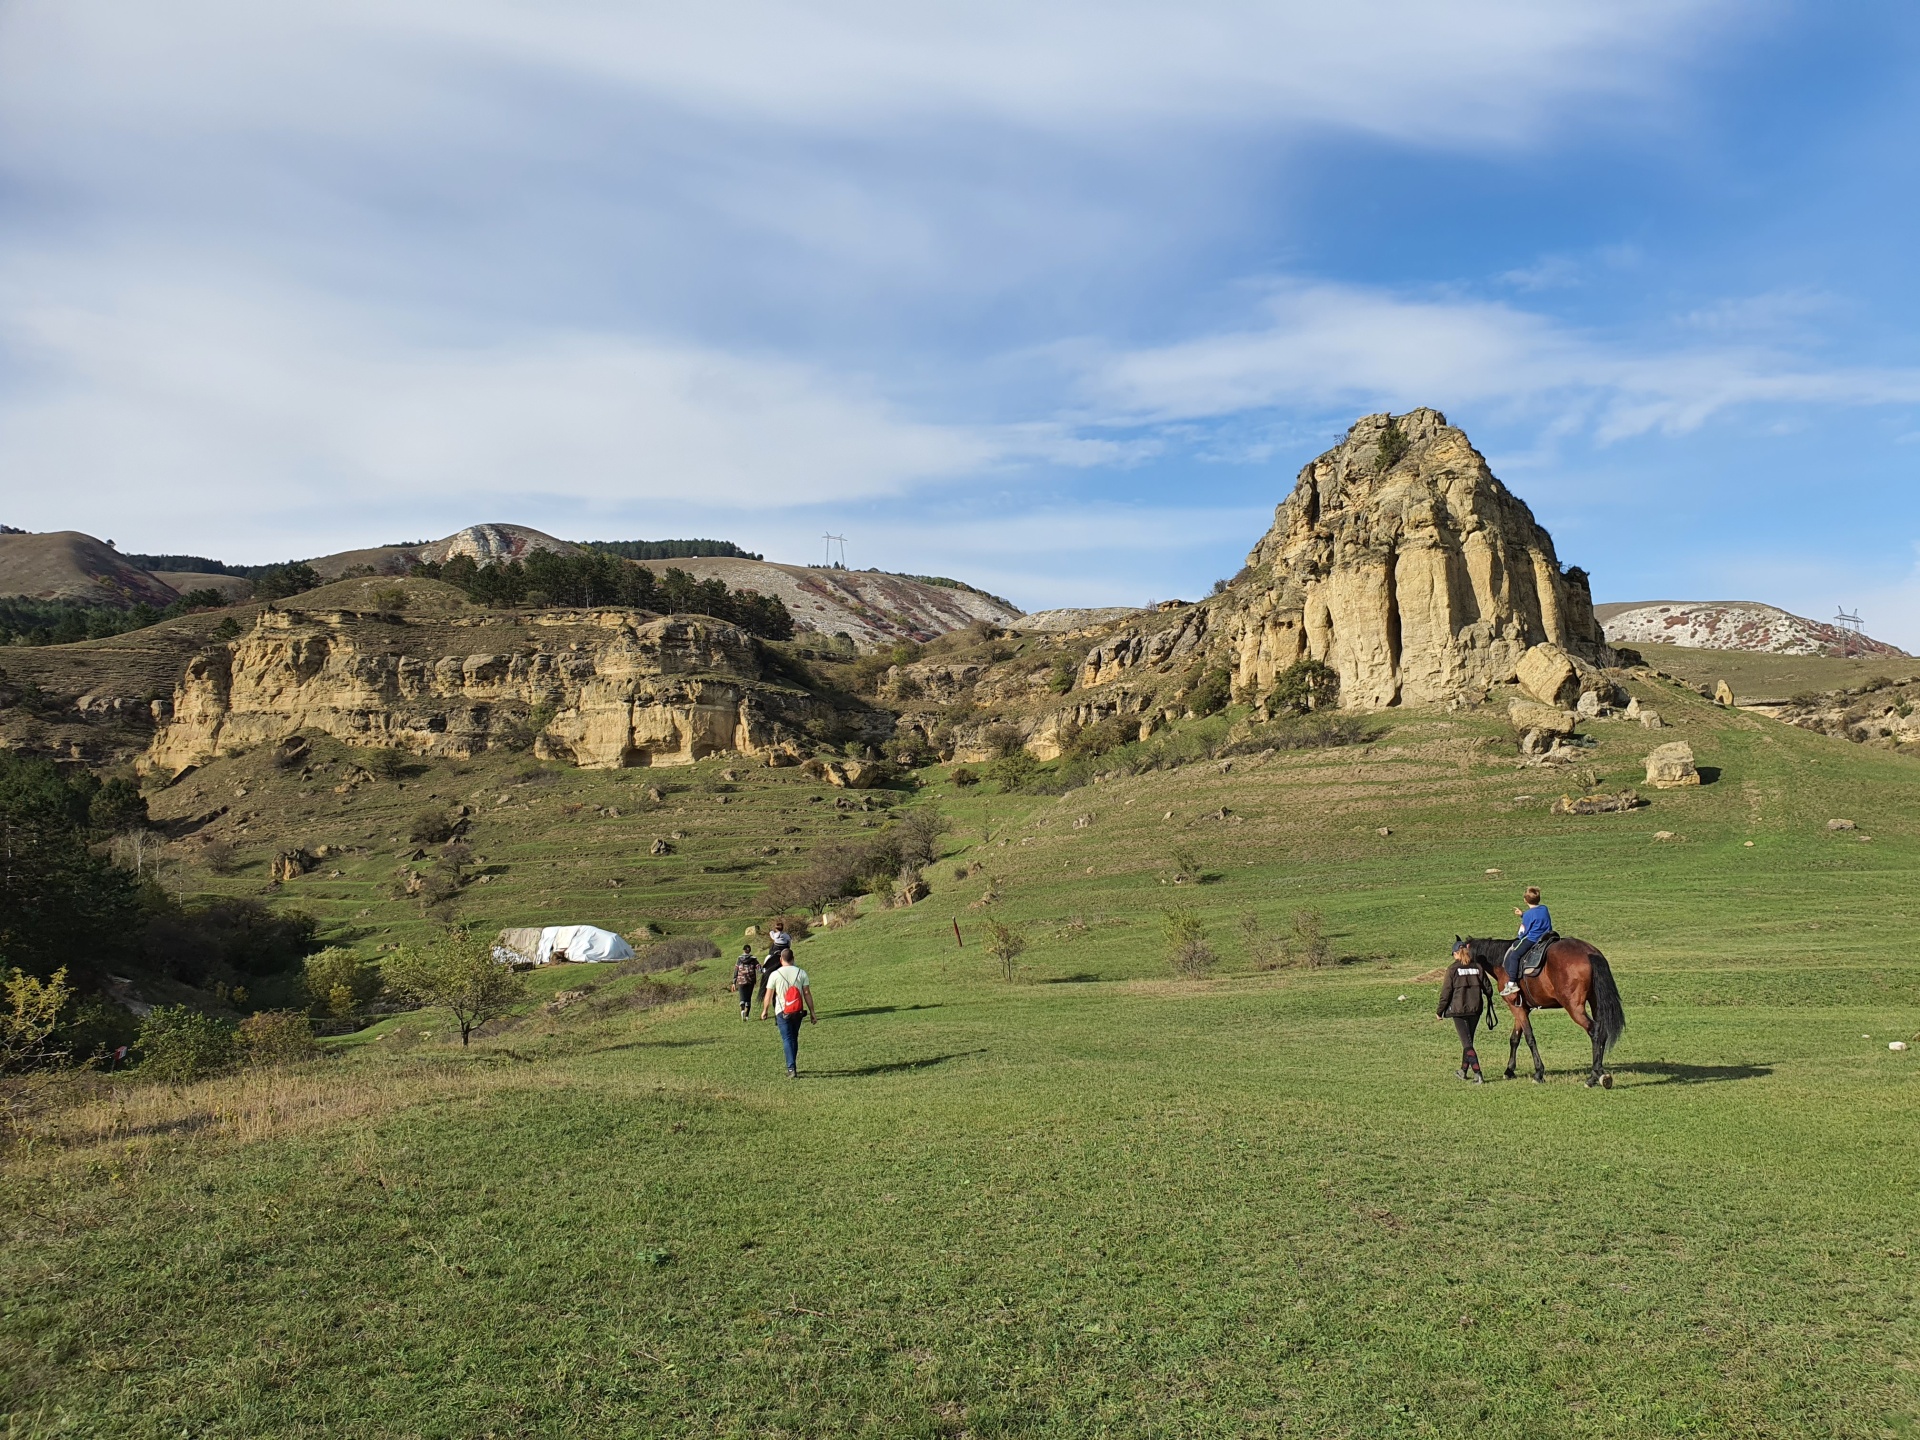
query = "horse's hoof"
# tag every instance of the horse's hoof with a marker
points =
(1606, 1082)
(1539, 1079)
(1591, 1082)
(1510, 1074)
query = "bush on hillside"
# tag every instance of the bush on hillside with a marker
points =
(432, 826)
(178, 1043)
(275, 1037)
(338, 983)
(1211, 693)
(1393, 444)
(962, 777)
(1006, 945)
(672, 954)
(1304, 686)
(456, 972)
(279, 582)
(1187, 948)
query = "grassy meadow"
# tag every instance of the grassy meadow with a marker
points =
(1096, 1201)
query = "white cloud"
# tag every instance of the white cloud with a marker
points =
(1487, 71)
(1325, 345)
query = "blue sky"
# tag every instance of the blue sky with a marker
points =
(1054, 299)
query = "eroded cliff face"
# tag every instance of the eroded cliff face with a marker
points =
(1419, 580)
(1418, 577)
(597, 688)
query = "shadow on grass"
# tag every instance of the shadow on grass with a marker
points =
(652, 1045)
(1079, 977)
(1671, 1072)
(894, 1067)
(1708, 773)
(874, 1010)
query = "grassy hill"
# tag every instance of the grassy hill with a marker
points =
(1099, 1200)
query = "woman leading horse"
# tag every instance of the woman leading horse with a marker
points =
(1573, 977)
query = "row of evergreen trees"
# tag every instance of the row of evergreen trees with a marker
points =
(593, 578)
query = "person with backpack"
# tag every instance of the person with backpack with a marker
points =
(789, 997)
(1464, 992)
(746, 974)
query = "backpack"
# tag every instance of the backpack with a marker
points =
(793, 1000)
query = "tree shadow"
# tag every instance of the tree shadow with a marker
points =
(1672, 1072)
(894, 1067)
(1079, 977)
(652, 1045)
(874, 1010)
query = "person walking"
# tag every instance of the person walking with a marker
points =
(1464, 993)
(789, 997)
(746, 974)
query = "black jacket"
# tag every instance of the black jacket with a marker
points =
(1466, 988)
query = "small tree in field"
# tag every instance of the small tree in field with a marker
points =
(1006, 945)
(1187, 946)
(456, 972)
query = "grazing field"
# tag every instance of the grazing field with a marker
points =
(1098, 1200)
(1775, 677)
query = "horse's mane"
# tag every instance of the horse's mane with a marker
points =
(1487, 951)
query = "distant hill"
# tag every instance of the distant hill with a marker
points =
(868, 606)
(1731, 625)
(67, 565)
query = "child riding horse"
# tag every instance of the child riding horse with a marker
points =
(1573, 977)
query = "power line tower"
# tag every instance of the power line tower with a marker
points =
(833, 540)
(1852, 633)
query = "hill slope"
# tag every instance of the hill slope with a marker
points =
(1731, 625)
(67, 565)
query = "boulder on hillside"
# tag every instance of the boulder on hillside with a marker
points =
(1723, 694)
(1671, 766)
(1525, 715)
(854, 774)
(1546, 674)
(1598, 804)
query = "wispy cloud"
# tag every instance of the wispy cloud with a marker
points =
(1323, 345)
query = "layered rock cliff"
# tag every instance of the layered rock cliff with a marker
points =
(1398, 560)
(597, 688)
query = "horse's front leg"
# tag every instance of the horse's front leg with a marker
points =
(1539, 1069)
(1513, 1046)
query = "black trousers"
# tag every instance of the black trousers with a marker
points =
(746, 996)
(1463, 1024)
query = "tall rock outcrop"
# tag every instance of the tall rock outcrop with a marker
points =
(597, 688)
(1400, 561)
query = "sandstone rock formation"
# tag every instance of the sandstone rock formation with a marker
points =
(1671, 766)
(1526, 715)
(598, 688)
(1398, 560)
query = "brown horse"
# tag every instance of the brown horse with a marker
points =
(1575, 978)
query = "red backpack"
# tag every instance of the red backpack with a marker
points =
(794, 1000)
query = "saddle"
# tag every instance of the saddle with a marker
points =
(1533, 959)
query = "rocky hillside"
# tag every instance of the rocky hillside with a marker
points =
(869, 607)
(1732, 625)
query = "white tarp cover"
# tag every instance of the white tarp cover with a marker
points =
(587, 943)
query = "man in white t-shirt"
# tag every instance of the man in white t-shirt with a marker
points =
(789, 999)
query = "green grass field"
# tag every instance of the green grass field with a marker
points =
(1098, 1201)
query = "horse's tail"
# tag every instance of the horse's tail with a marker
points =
(1609, 1020)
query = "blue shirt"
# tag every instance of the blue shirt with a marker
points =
(1535, 923)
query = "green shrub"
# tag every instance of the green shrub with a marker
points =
(339, 983)
(1006, 945)
(275, 1037)
(1307, 942)
(179, 1043)
(1211, 693)
(1013, 773)
(1303, 686)
(1393, 445)
(1187, 948)
(432, 826)
(1065, 672)
(963, 777)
